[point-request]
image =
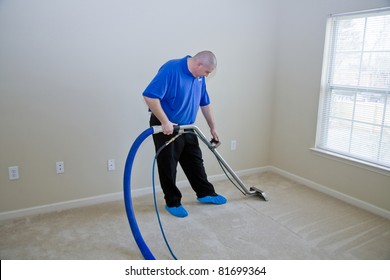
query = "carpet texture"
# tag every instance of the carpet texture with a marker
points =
(296, 223)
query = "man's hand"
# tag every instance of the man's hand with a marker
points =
(214, 134)
(167, 127)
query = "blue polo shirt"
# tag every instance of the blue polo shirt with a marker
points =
(179, 92)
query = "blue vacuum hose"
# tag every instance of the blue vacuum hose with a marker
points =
(127, 195)
(127, 178)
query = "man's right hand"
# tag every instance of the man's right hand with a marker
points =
(167, 127)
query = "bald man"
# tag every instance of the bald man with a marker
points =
(174, 97)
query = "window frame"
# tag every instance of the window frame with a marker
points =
(326, 96)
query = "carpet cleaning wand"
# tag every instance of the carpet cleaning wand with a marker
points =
(212, 145)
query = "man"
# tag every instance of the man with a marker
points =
(174, 97)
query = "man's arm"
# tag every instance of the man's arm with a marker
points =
(208, 115)
(155, 106)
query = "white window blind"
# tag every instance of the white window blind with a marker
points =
(354, 115)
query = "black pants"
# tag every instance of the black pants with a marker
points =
(186, 151)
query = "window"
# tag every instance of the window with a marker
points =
(354, 114)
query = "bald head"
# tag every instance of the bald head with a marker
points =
(202, 64)
(207, 58)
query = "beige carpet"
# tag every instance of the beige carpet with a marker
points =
(296, 223)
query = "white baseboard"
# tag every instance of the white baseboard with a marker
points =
(346, 198)
(215, 178)
(55, 207)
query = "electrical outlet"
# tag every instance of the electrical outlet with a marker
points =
(60, 167)
(13, 172)
(233, 145)
(111, 164)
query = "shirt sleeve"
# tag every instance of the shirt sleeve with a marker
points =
(159, 85)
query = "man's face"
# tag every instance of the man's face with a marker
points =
(203, 70)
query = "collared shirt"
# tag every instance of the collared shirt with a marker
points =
(179, 92)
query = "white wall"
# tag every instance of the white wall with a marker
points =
(300, 45)
(71, 77)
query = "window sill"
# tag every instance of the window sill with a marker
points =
(352, 161)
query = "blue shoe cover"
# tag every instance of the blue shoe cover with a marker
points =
(218, 199)
(177, 211)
